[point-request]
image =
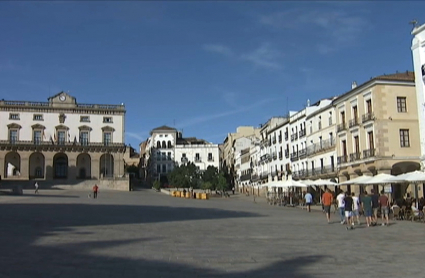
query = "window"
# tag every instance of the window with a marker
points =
(107, 138)
(37, 137)
(320, 123)
(343, 117)
(37, 117)
(369, 106)
(107, 119)
(169, 155)
(13, 116)
(404, 138)
(158, 168)
(330, 118)
(13, 136)
(61, 137)
(197, 158)
(210, 157)
(164, 168)
(85, 119)
(401, 105)
(84, 138)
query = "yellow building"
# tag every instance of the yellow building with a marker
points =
(377, 129)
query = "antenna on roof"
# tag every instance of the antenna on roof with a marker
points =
(414, 23)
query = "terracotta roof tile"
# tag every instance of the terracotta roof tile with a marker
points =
(400, 76)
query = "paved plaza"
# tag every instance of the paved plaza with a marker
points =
(61, 233)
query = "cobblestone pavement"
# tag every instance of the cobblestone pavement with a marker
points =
(62, 233)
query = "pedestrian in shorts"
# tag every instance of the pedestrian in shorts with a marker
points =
(327, 199)
(385, 204)
(348, 208)
(356, 206)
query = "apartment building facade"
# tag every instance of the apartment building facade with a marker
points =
(61, 140)
(377, 128)
(166, 147)
(321, 143)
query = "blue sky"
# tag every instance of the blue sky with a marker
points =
(202, 67)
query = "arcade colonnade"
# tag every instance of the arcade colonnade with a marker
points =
(30, 164)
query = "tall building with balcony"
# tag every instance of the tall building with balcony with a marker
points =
(279, 149)
(300, 163)
(61, 141)
(268, 148)
(321, 144)
(377, 128)
(166, 147)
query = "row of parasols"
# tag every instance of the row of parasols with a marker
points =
(380, 179)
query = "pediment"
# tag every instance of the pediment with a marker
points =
(85, 127)
(14, 125)
(38, 126)
(108, 128)
(61, 127)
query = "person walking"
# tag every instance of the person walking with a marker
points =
(36, 187)
(375, 207)
(340, 200)
(356, 207)
(327, 199)
(348, 209)
(385, 204)
(367, 208)
(95, 189)
(233, 190)
(308, 200)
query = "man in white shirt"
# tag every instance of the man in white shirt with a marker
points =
(356, 204)
(308, 200)
(341, 205)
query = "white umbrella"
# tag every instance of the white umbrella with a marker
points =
(357, 180)
(413, 177)
(307, 182)
(320, 182)
(379, 179)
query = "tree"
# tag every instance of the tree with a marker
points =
(185, 176)
(132, 169)
(222, 184)
(210, 175)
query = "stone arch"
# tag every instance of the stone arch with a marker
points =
(60, 166)
(158, 144)
(83, 166)
(106, 165)
(169, 144)
(164, 145)
(12, 165)
(36, 166)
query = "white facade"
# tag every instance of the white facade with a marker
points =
(418, 52)
(61, 139)
(202, 155)
(321, 144)
(166, 146)
(298, 130)
(280, 151)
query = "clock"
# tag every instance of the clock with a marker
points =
(62, 98)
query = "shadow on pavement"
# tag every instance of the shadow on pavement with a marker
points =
(24, 226)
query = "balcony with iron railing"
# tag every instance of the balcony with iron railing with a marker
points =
(274, 155)
(302, 133)
(280, 155)
(287, 153)
(368, 117)
(245, 177)
(368, 153)
(353, 122)
(321, 146)
(294, 136)
(264, 175)
(286, 136)
(274, 139)
(302, 153)
(341, 127)
(355, 156)
(294, 156)
(279, 138)
(342, 159)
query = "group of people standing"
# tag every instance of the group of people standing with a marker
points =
(350, 206)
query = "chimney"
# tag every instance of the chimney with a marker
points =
(353, 85)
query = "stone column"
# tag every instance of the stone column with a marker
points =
(24, 166)
(2, 159)
(95, 167)
(48, 164)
